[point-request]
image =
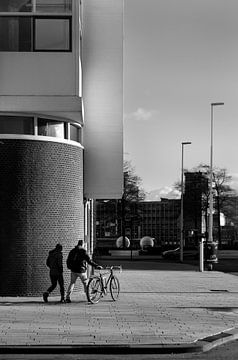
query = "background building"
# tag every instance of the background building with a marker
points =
(160, 220)
(157, 219)
(195, 205)
(48, 140)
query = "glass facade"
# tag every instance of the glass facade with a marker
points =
(26, 125)
(52, 34)
(16, 125)
(15, 5)
(51, 128)
(15, 33)
(75, 133)
(44, 26)
(157, 219)
(44, 6)
(61, 6)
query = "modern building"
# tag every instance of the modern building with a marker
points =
(229, 237)
(157, 219)
(161, 220)
(195, 204)
(60, 129)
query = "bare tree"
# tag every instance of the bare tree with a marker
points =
(132, 194)
(133, 190)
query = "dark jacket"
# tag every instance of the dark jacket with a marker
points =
(77, 260)
(55, 262)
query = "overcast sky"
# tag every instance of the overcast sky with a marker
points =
(180, 55)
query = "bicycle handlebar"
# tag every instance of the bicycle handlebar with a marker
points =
(113, 267)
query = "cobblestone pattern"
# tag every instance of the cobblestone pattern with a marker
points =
(154, 308)
(41, 197)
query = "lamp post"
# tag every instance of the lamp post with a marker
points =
(210, 237)
(181, 217)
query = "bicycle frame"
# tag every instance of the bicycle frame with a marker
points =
(103, 276)
(102, 283)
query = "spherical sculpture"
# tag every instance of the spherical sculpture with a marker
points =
(119, 242)
(146, 242)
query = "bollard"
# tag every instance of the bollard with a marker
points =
(201, 255)
(211, 254)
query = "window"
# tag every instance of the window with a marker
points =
(15, 5)
(15, 33)
(47, 6)
(75, 133)
(16, 125)
(51, 128)
(32, 32)
(52, 34)
(29, 125)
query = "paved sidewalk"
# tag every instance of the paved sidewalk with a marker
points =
(158, 309)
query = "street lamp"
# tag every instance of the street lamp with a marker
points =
(210, 238)
(181, 217)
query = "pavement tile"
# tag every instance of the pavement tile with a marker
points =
(155, 307)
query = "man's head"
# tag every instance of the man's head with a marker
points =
(59, 247)
(80, 243)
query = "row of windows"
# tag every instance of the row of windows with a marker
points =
(161, 209)
(35, 33)
(39, 31)
(61, 6)
(39, 126)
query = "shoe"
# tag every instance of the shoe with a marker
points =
(68, 300)
(45, 296)
(62, 301)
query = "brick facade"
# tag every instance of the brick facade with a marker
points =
(41, 204)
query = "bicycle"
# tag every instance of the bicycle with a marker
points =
(99, 285)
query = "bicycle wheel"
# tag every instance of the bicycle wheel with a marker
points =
(114, 287)
(94, 290)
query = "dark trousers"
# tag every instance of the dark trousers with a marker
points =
(54, 279)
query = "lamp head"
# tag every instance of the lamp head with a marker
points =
(186, 143)
(217, 103)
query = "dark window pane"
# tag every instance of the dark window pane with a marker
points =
(52, 34)
(15, 5)
(15, 33)
(75, 133)
(16, 125)
(54, 6)
(51, 128)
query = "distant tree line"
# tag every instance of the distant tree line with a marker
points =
(225, 197)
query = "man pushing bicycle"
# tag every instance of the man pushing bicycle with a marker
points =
(77, 262)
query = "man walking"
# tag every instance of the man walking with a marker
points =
(55, 263)
(77, 262)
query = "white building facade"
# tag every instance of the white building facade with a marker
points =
(50, 142)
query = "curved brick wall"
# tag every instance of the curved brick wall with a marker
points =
(41, 204)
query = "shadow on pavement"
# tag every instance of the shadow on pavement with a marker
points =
(23, 302)
(148, 264)
(30, 302)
